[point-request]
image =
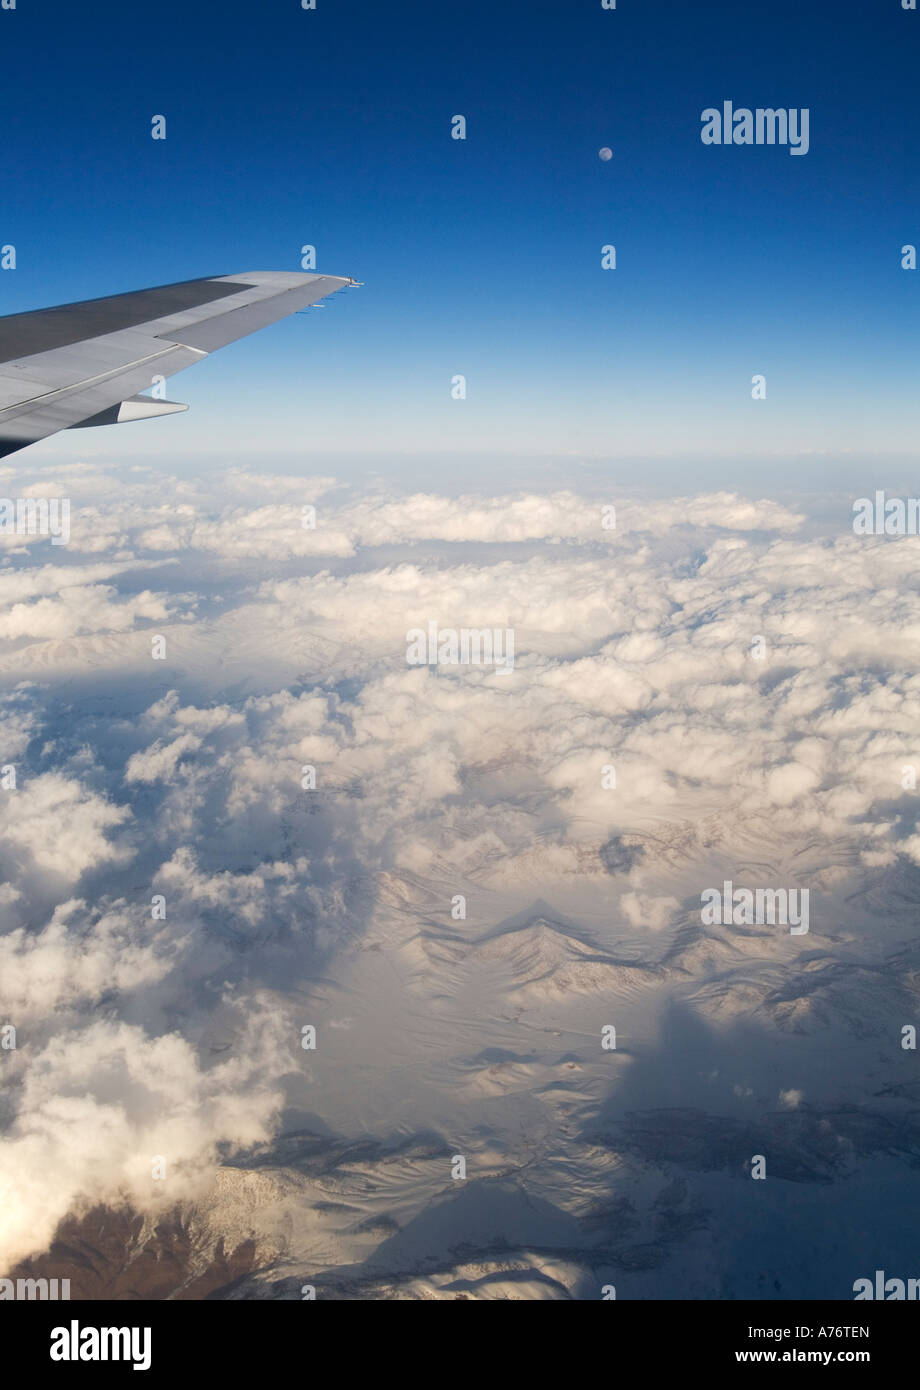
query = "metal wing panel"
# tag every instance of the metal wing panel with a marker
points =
(43, 330)
(232, 323)
(60, 407)
(88, 357)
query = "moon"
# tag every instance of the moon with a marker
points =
(606, 153)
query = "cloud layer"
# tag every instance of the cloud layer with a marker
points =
(192, 842)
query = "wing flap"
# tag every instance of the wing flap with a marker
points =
(62, 407)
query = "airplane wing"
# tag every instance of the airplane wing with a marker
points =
(83, 364)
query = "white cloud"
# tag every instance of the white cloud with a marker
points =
(57, 827)
(652, 913)
(98, 1105)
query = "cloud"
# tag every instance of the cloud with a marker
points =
(52, 825)
(82, 954)
(103, 1109)
(653, 913)
(710, 689)
(160, 760)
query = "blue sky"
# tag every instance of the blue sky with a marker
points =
(482, 257)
